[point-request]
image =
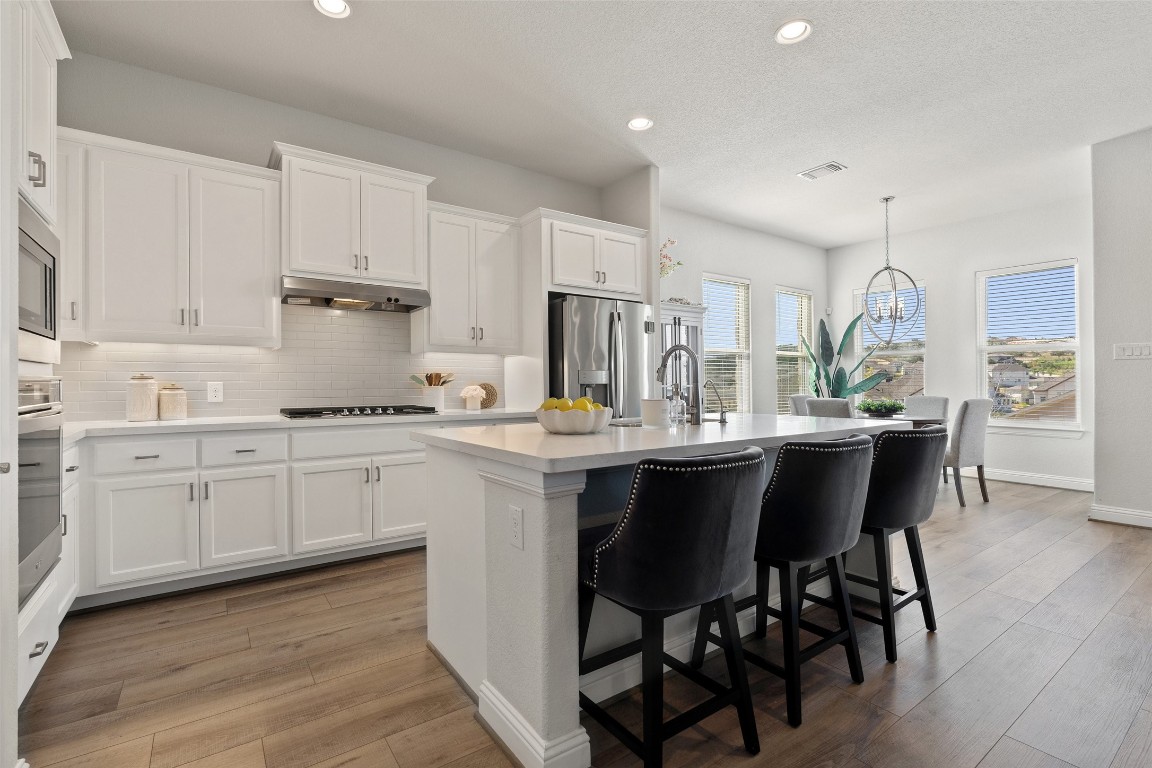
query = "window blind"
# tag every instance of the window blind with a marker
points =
(793, 323)
(726, 343)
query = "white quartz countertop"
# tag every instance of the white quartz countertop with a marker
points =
(76, 430)
(531, 447)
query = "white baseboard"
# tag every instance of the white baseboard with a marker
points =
(522, 740)
(22, 763)
(1033, 478)
(1138, 517)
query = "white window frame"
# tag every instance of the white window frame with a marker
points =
(922, 350)
(983, 349)
(714, 276)
(800, 353)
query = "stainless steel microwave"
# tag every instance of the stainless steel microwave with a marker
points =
(37, 288)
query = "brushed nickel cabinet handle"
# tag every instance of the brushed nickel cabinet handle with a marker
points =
(481, 333)
(356, 261)
(245, 450)
(196, 316)
(40, 179)
(597, 276)
(150, 456)
(73, 310)
(191, 491)
(38, 649)
(365, 262)
(473, 333)
(29, 464)
(181, 316)
(72, 468)
(205, 489)
(377, 474)
(367, 475)
(65, 531)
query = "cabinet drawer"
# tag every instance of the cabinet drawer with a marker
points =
(323, 443)
(71, 466)
(143, 456)
(251, 449)
(39, 629)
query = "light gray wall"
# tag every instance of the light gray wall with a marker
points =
(116, 99)
(945, 260)
(1122, 218)
(708, 245)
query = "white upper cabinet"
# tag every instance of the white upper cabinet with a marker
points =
(599, 258)
(234, 247)
(137, 246)
(43, 45)
(474, 279)
(165, 246)
(347, 219)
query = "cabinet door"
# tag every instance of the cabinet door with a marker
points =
(243, 514)
(497, 278)
(452, 315)
(146, 526)
(234, 255)
(622, 260)
(137, 246)
(70, 229)
(331, 504)
(575, 255)
(392, 229)
(68, 569)
(39, 111)
(323, 218)
(400, 496)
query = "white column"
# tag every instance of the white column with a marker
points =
(530, 695)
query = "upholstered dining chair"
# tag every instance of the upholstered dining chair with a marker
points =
(798, 404)
(837, 407)
(925, 407)
(967, 446)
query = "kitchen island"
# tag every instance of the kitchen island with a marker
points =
(505, 504)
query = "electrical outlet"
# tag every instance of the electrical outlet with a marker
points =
(516, 526)
(215, 391)
(1131, 351)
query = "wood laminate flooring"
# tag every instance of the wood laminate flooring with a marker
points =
(1043, 659)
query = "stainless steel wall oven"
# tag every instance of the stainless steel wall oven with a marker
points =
(41, 426)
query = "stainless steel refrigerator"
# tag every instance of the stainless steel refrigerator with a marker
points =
(601, 348)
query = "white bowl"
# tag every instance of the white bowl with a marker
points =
(574, 422)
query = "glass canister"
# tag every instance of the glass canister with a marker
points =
(142, 398)
(173, 403)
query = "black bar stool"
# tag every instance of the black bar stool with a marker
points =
(901, 493)
(810, 512)
(686, 539)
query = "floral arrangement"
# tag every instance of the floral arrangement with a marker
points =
(667, 266)
(433, 379)
(472, 390)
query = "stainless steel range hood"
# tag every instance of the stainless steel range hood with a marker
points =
(341, 295)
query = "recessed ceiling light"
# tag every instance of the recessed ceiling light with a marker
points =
(641, 123)
(789, 32)
(337, 9)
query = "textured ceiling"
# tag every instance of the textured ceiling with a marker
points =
(959, 109)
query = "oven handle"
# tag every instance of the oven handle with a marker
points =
(39, 411)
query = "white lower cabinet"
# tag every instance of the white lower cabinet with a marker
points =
(146, 526)
(243, 514)
(399, 496)
(38, 629)
(68, 569)
(331, 504)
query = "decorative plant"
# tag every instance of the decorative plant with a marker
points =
(471, 391)
(667, 266)
(881, 406)
(433, 379)
(829, 379)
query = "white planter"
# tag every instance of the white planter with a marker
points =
(472, 403)
(434, 396)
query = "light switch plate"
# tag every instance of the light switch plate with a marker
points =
(1139, 351)
(215, 391)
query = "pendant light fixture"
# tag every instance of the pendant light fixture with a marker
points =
(885, 311)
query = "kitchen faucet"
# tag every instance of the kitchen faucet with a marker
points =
(723, 410)
(695, 411)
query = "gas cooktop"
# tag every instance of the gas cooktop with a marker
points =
(340, 412)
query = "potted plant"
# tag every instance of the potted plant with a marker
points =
(880, 409)
(829, 379)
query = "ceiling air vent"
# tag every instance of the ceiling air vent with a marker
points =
(821, 171)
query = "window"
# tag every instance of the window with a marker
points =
(726, 345)
(903, 360)
(793, 322)
(1029, 344)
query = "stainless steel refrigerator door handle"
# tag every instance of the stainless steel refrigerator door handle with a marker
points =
(73, 310)
(38, 649)
(615, 369)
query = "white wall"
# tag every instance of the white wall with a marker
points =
(946, 259)
(117, 99)
(1122, 189)
(329, 357)
(708, 245)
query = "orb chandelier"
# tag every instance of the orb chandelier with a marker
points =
(884, 310)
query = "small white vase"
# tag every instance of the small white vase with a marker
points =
(472, 403)
(142, 398)
(434, 396)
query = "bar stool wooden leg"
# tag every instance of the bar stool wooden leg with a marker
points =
(945, 470)
(790, 621)
(763, 582)
(700, 644)
(882, 547)
(738, 673)
(839, 585)
(916, 553)
(652, 663)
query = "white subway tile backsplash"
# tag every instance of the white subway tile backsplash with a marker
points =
(328, 357)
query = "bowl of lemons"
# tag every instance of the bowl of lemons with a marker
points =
(562, 416)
